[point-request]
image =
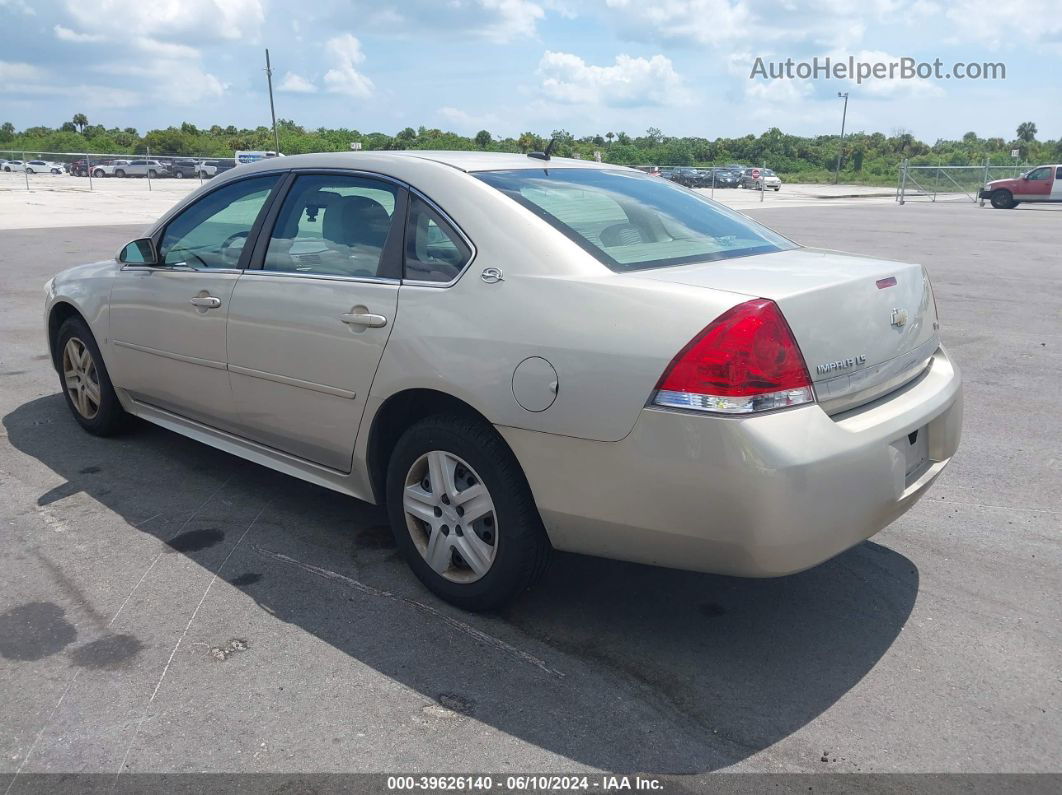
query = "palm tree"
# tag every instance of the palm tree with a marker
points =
(1027, 131)
(80, 121)
(610, 136)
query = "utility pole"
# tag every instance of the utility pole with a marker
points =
(272, 112)
(840, 146)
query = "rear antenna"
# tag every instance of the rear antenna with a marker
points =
(544, 155)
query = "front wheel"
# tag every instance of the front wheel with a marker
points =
(179, 175)
(98, 173)
(1003, 199)
(29, 170)
(85, 382)
(777, 189)
(462, 513)
(203, 175)
(153, 174)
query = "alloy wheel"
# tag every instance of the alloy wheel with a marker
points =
(81, 379)
(450, 516)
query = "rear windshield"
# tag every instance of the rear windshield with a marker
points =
(631, 221)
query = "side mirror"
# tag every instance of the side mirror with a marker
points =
(140, 252)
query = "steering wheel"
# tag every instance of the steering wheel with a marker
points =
(226, 245)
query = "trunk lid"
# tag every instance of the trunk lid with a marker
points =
(861, 334)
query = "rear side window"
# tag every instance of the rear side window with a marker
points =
(631, 221)
(435, 252)
(332, 225)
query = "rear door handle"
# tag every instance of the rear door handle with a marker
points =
(363, 319)
(206, 301)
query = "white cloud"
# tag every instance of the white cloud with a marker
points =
(629, 82)
(296, 84)
(195, 19)
(344, 78)
(66, 34)
(496, 20)
(995, 24)
(182, 82)
(17, 72)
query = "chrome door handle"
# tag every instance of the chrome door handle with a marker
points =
(363, 319)
(206, 301)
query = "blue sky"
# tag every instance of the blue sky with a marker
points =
(507, 66)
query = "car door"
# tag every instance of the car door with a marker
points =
(1056, 186)
(167, 322)
(1036, 185)
(309, 320)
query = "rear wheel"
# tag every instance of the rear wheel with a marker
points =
(179, 174)
(84, 380)
(29, 170)
(119, 173)
(462, 513)
(203, 175)
(1003, 199)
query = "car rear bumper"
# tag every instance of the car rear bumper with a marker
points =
(759, 496)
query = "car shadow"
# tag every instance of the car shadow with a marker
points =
(613, 665)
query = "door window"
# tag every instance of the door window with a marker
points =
(213, 231)
(332, 225)
(434, 250)
(1040, 173)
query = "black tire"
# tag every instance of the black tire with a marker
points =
(110, 416)
(99, 173)
(1003, 199)
(119, 173)
(203, 175)
(522, 548)
(56, 171)
(30, 171)
(179, 174)
(153, 174)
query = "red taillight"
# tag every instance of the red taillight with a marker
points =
(746, 360)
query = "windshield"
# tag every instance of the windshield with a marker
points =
(630, 221)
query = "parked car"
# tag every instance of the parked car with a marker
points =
(141, 168)
(770, 180)
(211, 168)
(14, 165)
(768, 407)
(43, 167)
(722, 178)
(184, 167)
(1041, 184)
(108, 168)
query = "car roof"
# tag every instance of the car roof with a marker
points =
(463, 161)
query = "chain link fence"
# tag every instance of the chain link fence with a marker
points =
(934, 183)
(89, 171)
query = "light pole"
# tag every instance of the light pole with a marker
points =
(840, 146)
(269, 80)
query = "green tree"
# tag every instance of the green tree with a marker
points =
(1027, 132)
(68, 126)
(483, 139)
(80, 120)
(610, 136)
(7, 131)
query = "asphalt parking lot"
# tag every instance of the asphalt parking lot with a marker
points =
(167, 607)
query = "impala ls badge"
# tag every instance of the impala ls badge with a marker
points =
(841, 364)
(899, 317)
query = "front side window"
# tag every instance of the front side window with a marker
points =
(1043, 172)
(213, 231)
(630, 221)
(332, 225)
(434, 250)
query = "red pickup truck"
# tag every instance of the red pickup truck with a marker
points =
(1041, 184)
